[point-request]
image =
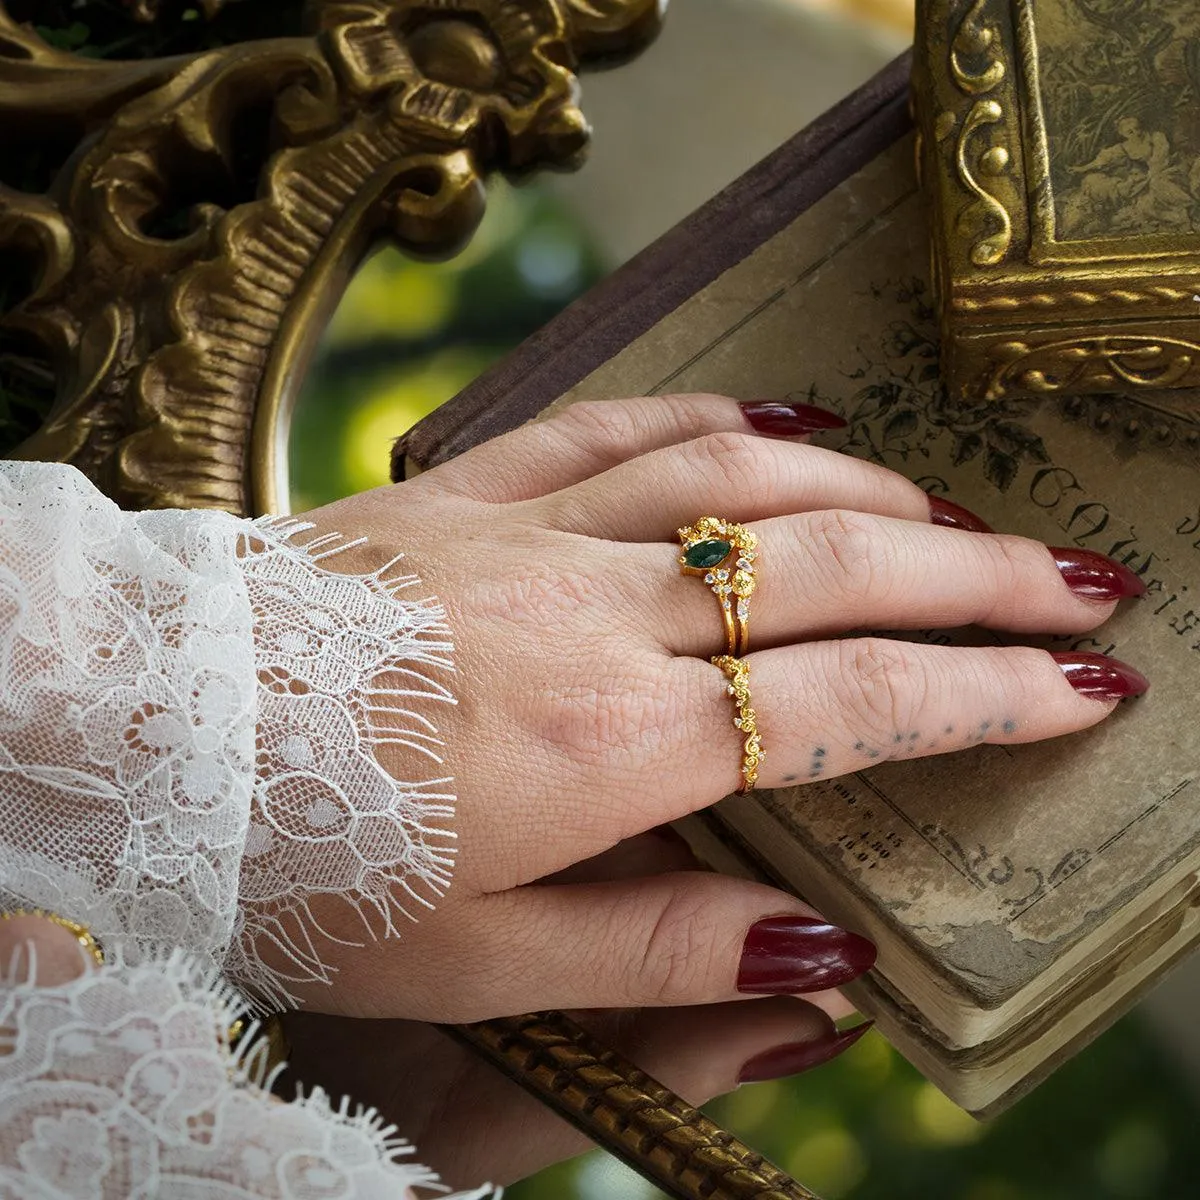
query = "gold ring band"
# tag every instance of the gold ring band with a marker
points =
(725, 554)
(738, 673)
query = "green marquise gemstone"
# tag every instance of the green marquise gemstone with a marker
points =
(703, 555)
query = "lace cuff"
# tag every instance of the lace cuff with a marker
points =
(127, 712)
(119, 1084)
(191, 709)
(346, 670)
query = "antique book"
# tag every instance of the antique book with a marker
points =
(1022, 897)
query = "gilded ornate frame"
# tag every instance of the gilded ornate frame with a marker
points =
(183, 261)
(1027, 308)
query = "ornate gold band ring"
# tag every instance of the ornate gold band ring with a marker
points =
(725, 554)
(738, 673)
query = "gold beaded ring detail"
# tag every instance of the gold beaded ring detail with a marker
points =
(725, 554)
(738, 672)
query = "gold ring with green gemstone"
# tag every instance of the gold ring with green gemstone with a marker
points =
(737, 671)
(726, 555)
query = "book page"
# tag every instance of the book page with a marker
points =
(991, 862)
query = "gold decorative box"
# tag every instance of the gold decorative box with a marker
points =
(1060, 151)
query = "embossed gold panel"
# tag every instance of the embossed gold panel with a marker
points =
(1060, 152)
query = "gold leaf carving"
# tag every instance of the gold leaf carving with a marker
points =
(1094, 364)
(977, 38)
(1077, 297)
(985, 220)
(208, 210)
(986, 213)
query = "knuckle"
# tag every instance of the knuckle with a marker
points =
(742, 462)
(598, 425)
(885, 684)
(676, 960)
(845, 547)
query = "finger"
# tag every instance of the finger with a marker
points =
(729, 475)
(832, 571)
(37, 947)
(659, 743)
(666, 940)
(831, 708)
(708, 1050)
(586, 438)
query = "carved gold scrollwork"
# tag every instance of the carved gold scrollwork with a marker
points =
(976, 39)
(987, 212)
(985, 219)
(208, 210)
(1094, 364)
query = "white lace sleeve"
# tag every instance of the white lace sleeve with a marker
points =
(119, 1086)
(190, 710)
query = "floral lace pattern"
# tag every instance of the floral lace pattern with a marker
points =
(127, 714)
(191, 712)
(345, 669)
(120, 1086)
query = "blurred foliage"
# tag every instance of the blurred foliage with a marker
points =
(109, 29)
(1116, 1123)
(407, 336)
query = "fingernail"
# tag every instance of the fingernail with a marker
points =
(954, 516)
(1095, 577)
(786, 955)
(778, 419)
(1099, 676)
(801, 1056)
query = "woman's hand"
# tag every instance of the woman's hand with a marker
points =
(588, 712)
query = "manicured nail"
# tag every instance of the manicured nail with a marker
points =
(801, 1056)
(775, 418)
(1099, 676)
(786, 955)
(1095, 577)
(954, 516)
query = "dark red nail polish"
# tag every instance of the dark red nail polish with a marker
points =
(786, 955)
(954, 516)
(801, 1056)
(1099, 676)
(775, 418)
(1095, 577)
